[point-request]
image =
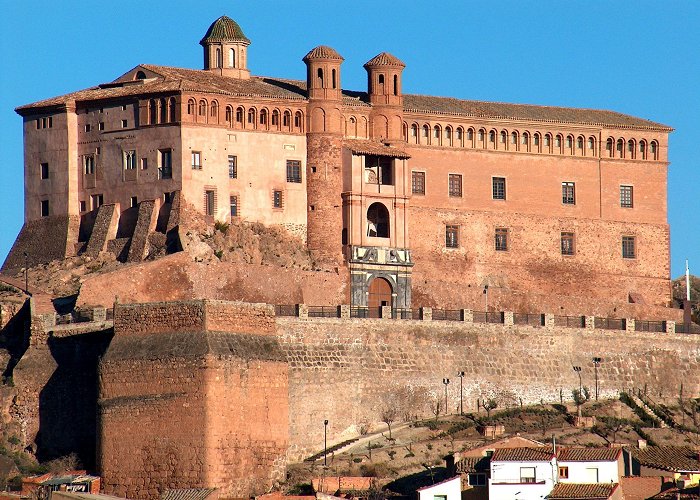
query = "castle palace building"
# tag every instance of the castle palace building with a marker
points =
(423, 200)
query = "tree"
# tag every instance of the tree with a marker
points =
(580, 396)
(489, 404)
(609, 427)
(436, 406)
(388, 416)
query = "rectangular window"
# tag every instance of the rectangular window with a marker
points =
(452, 236)
(293, 171)
(134, 201)
(196, 160)
(501, 239)
(125, 123)
(499, 188)
(628, 247)
(232, 167)
(129, 160)
(96, 201)
(166, 163)
(88, 164)
(83, 206)
(567, 243)
(418, 182)
(101, 125)
(563, 473)
(455, 185)
(44, 208)
(209, 202)
(233, 201)
(144, 163)
(277, 199)
(527, 475)
(477, 479)
(88, 127)
(568, 193)
(626, 197)
(44, 170)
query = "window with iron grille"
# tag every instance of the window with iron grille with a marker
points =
(628, 247)
(455, 185)
(501, 239)
(567, 243)
(293, 171)
(452, 236)
(626, 197)
(568, 193)
(418, 182)
(277, 199)
(232, 166)
(499, 188)
(233, 201)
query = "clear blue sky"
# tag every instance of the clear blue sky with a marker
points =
(638, 57)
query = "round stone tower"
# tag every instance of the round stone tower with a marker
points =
(226, 49)
(324, 162)
(384, 89)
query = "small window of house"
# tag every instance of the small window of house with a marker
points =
(44, 208)
(44, 170)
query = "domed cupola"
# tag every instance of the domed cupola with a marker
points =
(323, 73)
(225, 49)
(384, 79)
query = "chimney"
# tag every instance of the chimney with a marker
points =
(642, 443)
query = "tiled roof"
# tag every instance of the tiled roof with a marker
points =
(187, 494)
(224, 29)
(588, 454)
(170, 79)
(362, 147)
(323, 52)
(545, 114)
(670, 458)
(473, 464)
(640, 487)
(522, 455)
(582, 491)
(384, 59)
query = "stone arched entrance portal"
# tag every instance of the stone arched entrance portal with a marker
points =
(379, 295)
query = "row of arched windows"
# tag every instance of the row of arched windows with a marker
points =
(537, 142)
(246, 118)
(162, 111)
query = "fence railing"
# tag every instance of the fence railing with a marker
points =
(610, 323)
(528, 319)
(651, 326)
(323, 312)
(570, 321)
(447, 315)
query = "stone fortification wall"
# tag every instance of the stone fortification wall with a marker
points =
(103, 230)
(44, 240)
(145, 224)
(358, 363)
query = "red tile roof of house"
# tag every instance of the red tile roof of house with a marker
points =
(670, 458)
(582, 491)
(588, 454)
(639, 487)
(522, 455)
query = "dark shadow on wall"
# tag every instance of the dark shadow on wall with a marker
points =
(68, 401)
(14, 338)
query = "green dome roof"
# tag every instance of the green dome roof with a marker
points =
(224, 29)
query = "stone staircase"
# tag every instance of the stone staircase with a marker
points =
(649, 411)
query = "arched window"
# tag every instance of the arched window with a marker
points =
(218, 58)
(140, 75)
(163, 104)
(239, 115)
(492, 138)
(251, 117)
(275, 118)
(231, 58)
(298, 121)
(525, 141)
(287, 119)
(591, 146)
(654, 150)
(643, 149)
(404, 131)
(482, 138)
(548, 143)
(214, 112)
(570, 144)
(504, 136)
(396, 85)
(190, 106)
(536, 142)
(202, 108)
(559, 143)
(448, 135)
(579, 144)
(229, 115)
(437, 135)
(460, 137)
(609, 146)
(319, 77)
(425, 135)
(263, 117)
(620, 148)
(352, 127)
(414, 133)
(152, 112)
(172, 110)
(381, 82)
(333, 78)
(631, 149)
(470, 137)
(514, 139)
(378, 221)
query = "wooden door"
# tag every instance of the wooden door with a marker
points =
(379, 295)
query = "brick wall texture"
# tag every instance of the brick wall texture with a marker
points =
(227, 397)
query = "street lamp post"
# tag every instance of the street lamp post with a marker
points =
(446, 381)
(325, 443)
(486, 299)
(461, 405)
(596, 364)
(577, 369)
